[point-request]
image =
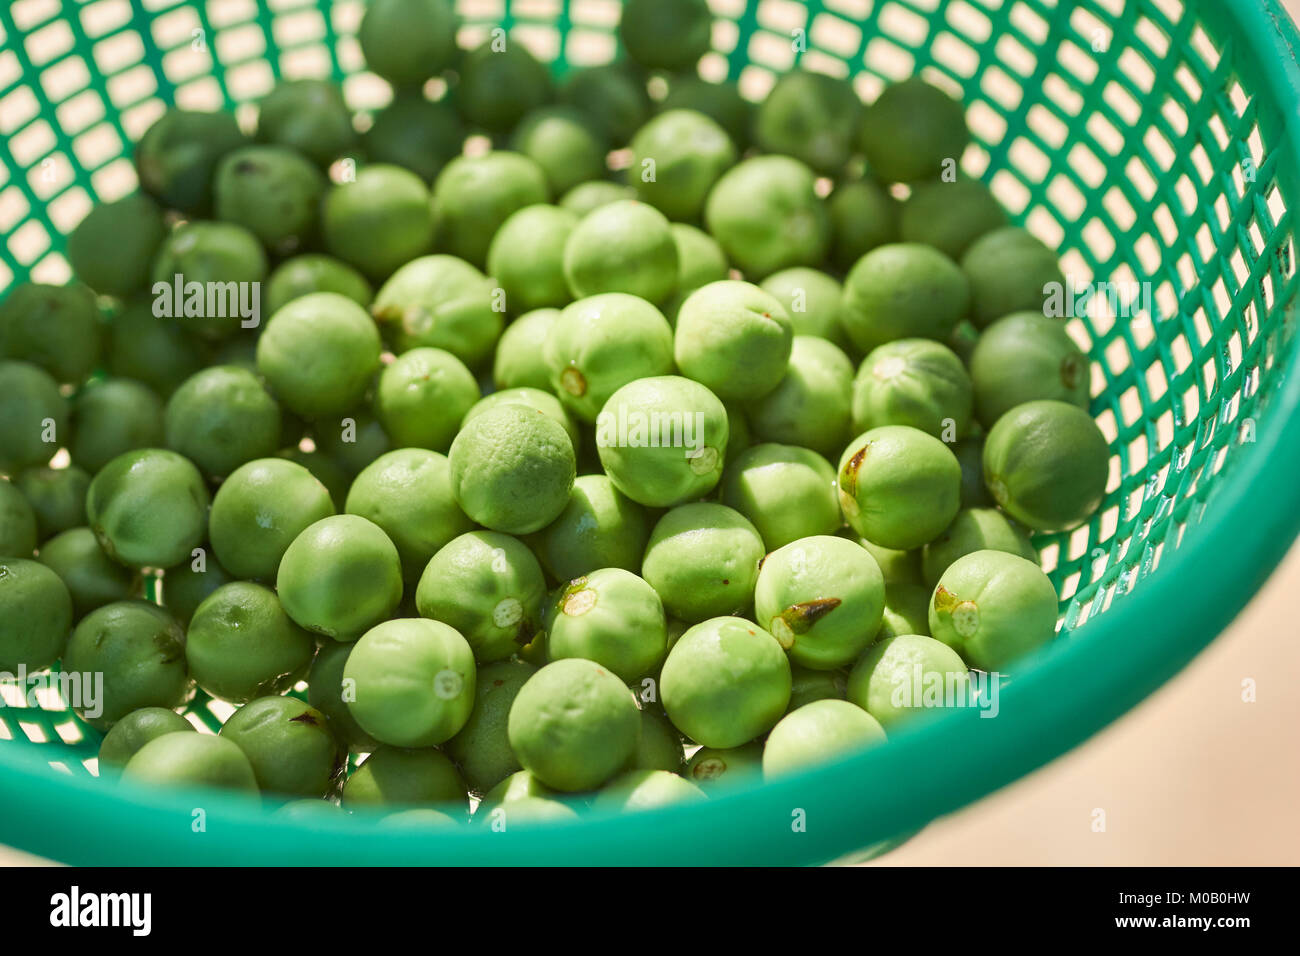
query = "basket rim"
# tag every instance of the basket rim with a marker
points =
(933, 766)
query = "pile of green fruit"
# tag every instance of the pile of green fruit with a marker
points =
(589, 444)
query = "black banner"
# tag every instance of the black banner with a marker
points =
(1150, 904)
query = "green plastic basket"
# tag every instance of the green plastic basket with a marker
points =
(1153, 141)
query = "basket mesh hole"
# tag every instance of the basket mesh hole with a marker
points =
(821, 63)
(33, 731)
(1051, 130)
(65, 78)
(771, 50)
(302, 26)
(1238, 98)
(29, 14)
(986, 123)
(366, 91)
(1130, 406)
(1191, 404)
(16, 110)
(1009, 190)
(1137, 452)
(203, 93)
(1101, 242)
(187, 63)
(1077, 63)
(69, 732)
(250, 80)
(1201, 163)
(179, 26)
(131, 86)
(52, 269)
(50, 175)
(1185, 190)
(1048, 556)
(589, 48)
(29, 241)
(950, 51)
(1015, 55)
(69, 208)
(305, 62)
(1029, 159)
(97, 146)
(1084, 163)
(1186, 269)
(118, 52)
(891, 60)
(1157, 386)
(1029, 22)
(219, 710)
(136, 119)
(1078, 544)
(605, 13)
(903, 24)
(1106, 422)
(1133, 503)
(105, 17)
(79, 112)
(1066, 197)
(1136, 172)
(854, 9)
(107, 182)
(1117, 357)
(781, 16)
(1108, 523)
(1045, 225)
(1139, 71)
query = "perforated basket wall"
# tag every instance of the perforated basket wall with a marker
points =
(1150, 141)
